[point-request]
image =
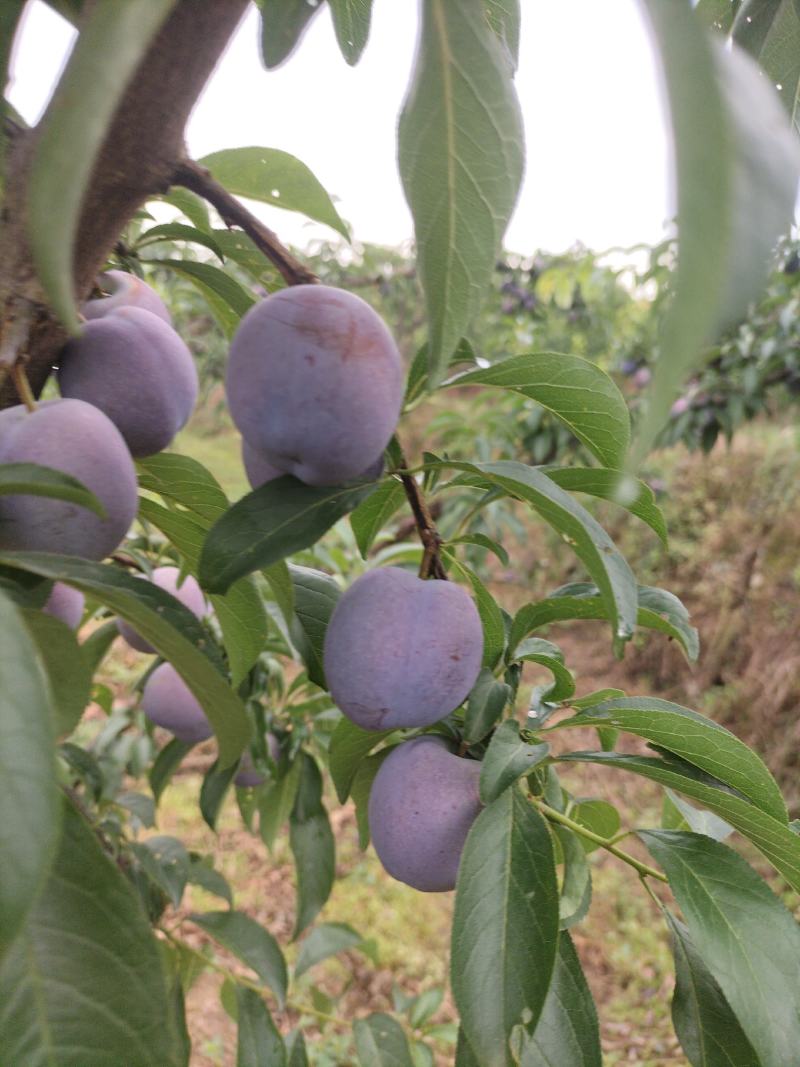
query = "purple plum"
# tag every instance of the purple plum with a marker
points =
(78, 439)
(247, 776)
(188, 592)
(258, 469)
(169, 702)
(134, 367)
(126, 291)
(315, 383)
(402, 652)
(423, 802)
(66, 603)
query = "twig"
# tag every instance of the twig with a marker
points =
(431, 566)
(23, 386)
(199, 180)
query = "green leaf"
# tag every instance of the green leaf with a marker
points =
(536, 650)
(774, 839)
(312, 844)
(165, 765)
(296, 1049)
(68, 673)
(717, 14)
(249, 942)
(483, 542)
(190, 205)
(770, 32)
(588, 540)
(325, 940)
(737, 164)
(351, 24)
(278, 519)
(504, 18)
(203, 874)
(678, 814)
(282, 26)
(371, 516)
(494, 630)
(314, 596)
(576, 885)
(631, 494)
(85, 977)
(505, 925)
(577, 392)
(361, 789)
(97, 644)
(215, 785)
(166, 862)
(657, 610)
(567, 1031)
(707, 1029)
(9, 19)
(280, 584)
(276, 802)
(176, 231)
(485, 705)
(112, 41)
(747, 939)
(227, 299)
(694, 738)
(44, 481)
(163, 622)
(274, 177)
(598, 816)
(28, 796)
(349, 745)
(507, 758)
(184, 480)
(460, 149)
(259, 1042)
(381, 1042)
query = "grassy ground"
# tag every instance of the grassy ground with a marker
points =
(734, 521)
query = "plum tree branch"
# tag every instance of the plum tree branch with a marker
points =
(431, 566)
(192, 176)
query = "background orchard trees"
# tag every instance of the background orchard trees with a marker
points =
(405, 695)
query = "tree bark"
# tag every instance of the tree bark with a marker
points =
(139, 155)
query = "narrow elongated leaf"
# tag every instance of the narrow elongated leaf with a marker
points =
(747, 939)
(567, 1031)
(696, 739)
(165, 765)
(312, 844)
(84, 978)
(274, 177)
(507, 758)
(577, 392)
(282, 25)
(576, 884)
(369, 518)
(44, 481)
(505, 925)
(536, 650)
(460, 144)
(29, 809)
(278, 519)
(276, 802)
(770, 32)
(351, 23)
(226, 298)
(485, 705)
(259, 1042)
(637, 497)
(68, 673)
(504, 18)
(177, 231)
(678, 814)
(296, 1050)
(162, 621)
(737, 165)
(717, 14)
(586, 537)
(112, 41)
(315, 594)
(708, 1031)
(381, 1042)
(494, 631)
(251, 943)
(203, 874)
(325, 940)
(657, 610)
(185, 481)
(773, 838)
(190, 205)
(349, 745)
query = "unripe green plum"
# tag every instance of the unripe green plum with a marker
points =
(134, 367)
(423, 802)
(247, 776)
(65, 603)
(169, 702)
(188, 592)
(315, 383)
(402, 652)
(78, 439)
(126, 291)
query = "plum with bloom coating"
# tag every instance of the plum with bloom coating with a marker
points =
(188, 592)
(423, 802)
(315, 383)
(78, 439)
(65, 603)
(169, 702)
(402, 652)
(126, 291)
(247, 776)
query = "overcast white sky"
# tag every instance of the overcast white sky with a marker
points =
(598, 157)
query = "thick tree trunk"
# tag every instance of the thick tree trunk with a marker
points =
(137, 160)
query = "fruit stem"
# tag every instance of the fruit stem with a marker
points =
(193, 176)
(644, 870)
(431, 566)
(23, 386)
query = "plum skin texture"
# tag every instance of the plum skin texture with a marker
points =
(136, 369)
(315, 383)
(400, 651)
(247, 777)
(423, 802)
(258, 469)
(169, 702)
(78, 439)
(66, 604)
(188, 593)
(126, 291)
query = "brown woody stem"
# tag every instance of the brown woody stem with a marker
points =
(431, 566)
(23, 386)
(192, 176)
